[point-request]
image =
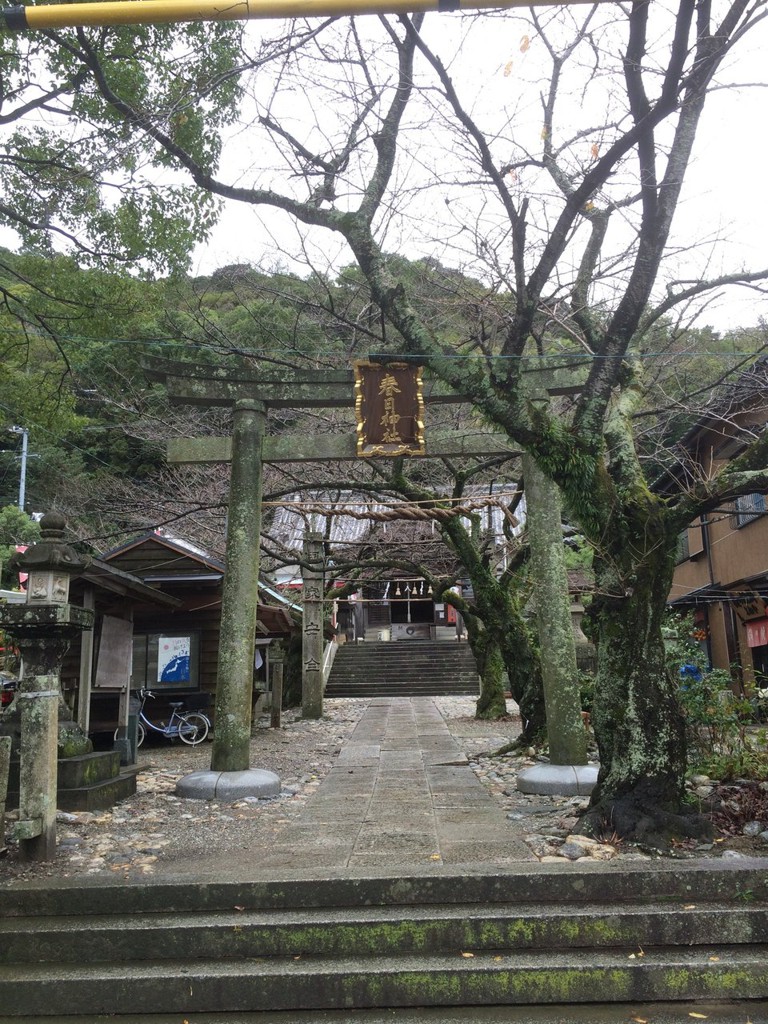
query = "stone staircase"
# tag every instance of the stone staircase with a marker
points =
(407, 668)
(531, 936)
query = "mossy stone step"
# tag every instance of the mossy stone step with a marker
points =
(632, 883)
(731, 1012)
(501, 978)
(376, 931)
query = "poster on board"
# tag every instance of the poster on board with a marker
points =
(173, 659)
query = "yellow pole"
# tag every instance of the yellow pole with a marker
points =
(157, 12)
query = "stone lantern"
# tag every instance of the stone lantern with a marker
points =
(38, 720)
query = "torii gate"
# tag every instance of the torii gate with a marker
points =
(250, 393)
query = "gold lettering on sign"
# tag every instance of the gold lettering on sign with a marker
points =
(388, 388)
(389, 409)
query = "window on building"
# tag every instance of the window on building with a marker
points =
(748, 508)
(165, 662)
(690, 542)
(683, 552)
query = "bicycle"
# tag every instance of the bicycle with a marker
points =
(190, 727)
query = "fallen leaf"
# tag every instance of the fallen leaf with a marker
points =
(640, 1020)
(631, 957)
(698, 1016)
(498, 958)
(435, 856)
(467, 955)
(238, 907)
(714, 959)
(508, 68)
(525, 42)
(689, 906)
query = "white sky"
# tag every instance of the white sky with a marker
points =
(723, 204)
(723, 200)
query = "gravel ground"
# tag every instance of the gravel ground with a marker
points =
(155, 828)
(156, 825)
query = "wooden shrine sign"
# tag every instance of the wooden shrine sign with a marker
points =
(389, 409)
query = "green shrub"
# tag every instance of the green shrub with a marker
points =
(720, 743)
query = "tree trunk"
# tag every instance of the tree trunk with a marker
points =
(504, 642)
(521, 658)
(637, 718)
(490, 664)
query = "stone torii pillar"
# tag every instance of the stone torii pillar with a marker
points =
(568, 771)
(312, 636)
(234, 691)
(231, 776)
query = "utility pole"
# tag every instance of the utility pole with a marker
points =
(23, 476)
(20, 18)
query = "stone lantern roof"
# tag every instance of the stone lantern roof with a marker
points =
(51, 553)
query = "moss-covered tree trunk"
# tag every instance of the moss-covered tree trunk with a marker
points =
(519, 648)
(519, 652)
(498, 634)
(502, 642)
(490, 667)
(636, 714)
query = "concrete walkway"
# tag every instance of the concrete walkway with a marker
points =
(401, 793)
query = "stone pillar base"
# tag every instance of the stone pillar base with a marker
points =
(558, 779)
(228, 786)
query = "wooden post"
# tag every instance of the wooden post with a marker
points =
(276, 707)
(86, 665)
(312, 637)
(565, 728)
(232, 732)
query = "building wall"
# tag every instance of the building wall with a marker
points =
(730, 568)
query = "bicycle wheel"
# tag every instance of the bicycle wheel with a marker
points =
(141, 732)
(193, 728)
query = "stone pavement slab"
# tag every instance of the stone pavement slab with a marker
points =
(401, 793)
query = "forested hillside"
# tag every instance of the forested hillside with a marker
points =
(73, 341)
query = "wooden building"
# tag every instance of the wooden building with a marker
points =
(96, 669)
(177, 649)
(157, 604)
(396, 609)
(722, 570)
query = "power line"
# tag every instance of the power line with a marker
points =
(582, 357)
